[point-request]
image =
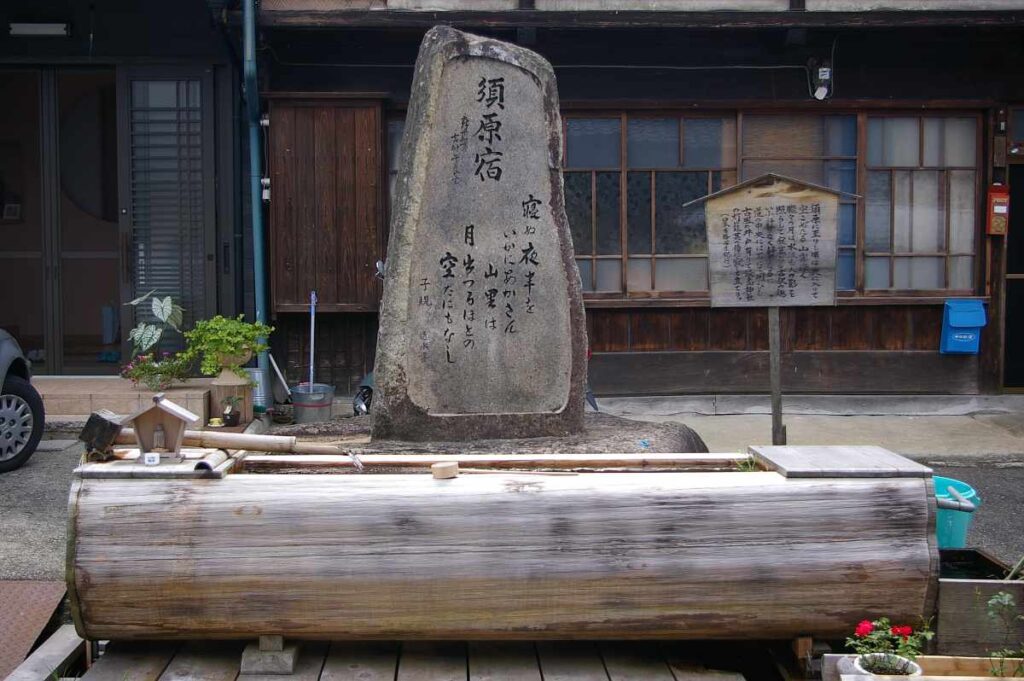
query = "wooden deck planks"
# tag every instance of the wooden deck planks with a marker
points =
(205, 661)
(51, 658)
(635, 662)
(570, 661)
(432, 662)
(411, 661)
(503, 661)
(133, 661)
(361, 662)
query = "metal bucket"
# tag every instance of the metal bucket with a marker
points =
(260, 392)
(312, 403)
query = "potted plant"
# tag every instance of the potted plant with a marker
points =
(888, 650)
(231, 415)
(156, 371)
(224, 344)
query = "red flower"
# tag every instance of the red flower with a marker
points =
(903, 631)
(864, 628)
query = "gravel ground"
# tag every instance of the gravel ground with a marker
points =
(33, 514)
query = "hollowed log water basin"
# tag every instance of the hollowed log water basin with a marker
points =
(663, 546)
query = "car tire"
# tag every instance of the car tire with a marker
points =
(16, 394)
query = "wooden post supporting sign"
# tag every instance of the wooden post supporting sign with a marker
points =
(775, 375)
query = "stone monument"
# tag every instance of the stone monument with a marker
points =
(482, 329)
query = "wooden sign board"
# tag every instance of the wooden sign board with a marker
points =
(772, 243)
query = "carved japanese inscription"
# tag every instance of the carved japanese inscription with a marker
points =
(482, 331)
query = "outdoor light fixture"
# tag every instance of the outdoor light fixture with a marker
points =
(820, 74)
(40, 30)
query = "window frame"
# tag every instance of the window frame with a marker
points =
(626, 298)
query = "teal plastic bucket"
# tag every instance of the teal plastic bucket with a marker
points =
(951, 526)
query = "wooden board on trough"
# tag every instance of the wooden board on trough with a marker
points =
(838, 462)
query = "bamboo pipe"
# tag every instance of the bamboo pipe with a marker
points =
(249, 441)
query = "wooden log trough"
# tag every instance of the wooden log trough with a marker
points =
(815, 541)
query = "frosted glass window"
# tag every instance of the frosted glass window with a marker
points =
(586, 271)
(961, 272)
(607, 218)
(679, 229)
(578, 210)
(950, 142)
(961, 211)
(609, 275)
(638, 212)
(842, 175)
(893, 142)
(876, 273)
(919, 273)
(845, 270)
(840, 135)
(638, 274)
(847, 224)
(901, 210)
(877, 212)
(592, 143)
(928, 216)
(653, 142)
(709, 142)
(682, 274)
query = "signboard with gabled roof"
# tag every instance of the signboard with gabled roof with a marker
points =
(163, 415)
(772, 242)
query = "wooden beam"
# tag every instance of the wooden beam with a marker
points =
(52, 658)
(632, 19)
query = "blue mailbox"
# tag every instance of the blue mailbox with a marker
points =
(962, 321)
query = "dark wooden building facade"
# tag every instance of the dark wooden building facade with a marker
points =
(659, 108)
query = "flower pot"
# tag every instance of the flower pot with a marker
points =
(911, 667)
(229, 377)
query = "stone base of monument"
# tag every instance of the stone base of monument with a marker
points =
(602, 433)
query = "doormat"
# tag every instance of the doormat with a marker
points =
(25, 609)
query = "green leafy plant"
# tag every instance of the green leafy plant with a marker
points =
(157, 373)
(886, 649)
(221, 342)
(748, 465)
(1009, 660)
(146, 335)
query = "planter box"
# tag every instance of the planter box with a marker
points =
(967, 579)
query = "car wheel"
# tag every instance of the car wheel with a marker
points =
(21, 422)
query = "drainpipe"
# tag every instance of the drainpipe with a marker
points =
(252, 105)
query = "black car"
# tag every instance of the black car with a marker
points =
(21, 407)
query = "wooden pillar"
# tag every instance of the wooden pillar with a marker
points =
(775, 375)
